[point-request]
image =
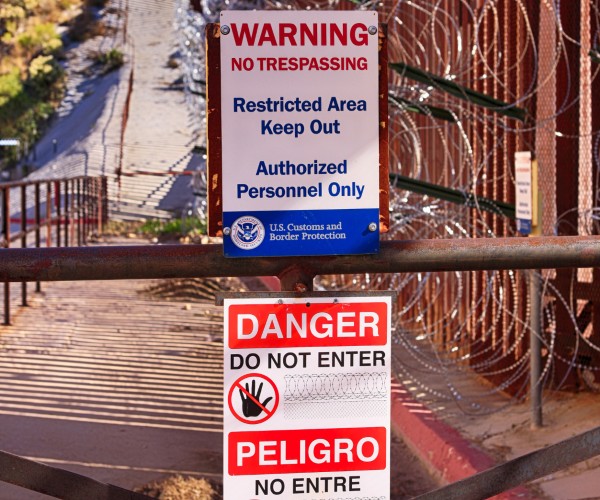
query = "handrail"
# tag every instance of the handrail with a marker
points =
(179, 261)
(73, 207)
(521, 470)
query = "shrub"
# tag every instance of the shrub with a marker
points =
(40, 38)
(10, 86)
(110, 60)
(43, 72)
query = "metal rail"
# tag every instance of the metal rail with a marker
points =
(73, 208)
(521, 470)
(173, 261)
(57, 482)
(179, 261)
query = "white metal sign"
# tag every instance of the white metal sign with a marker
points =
(524, 200)
(307, 387)
(300, 132)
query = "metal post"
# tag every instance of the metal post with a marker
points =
(73, 217)
(23, 238)
(78, 212)
(84, 215)
(6, 232)
(535, 347)
(58, 215)
(296, 279)
(38, 219)
(49, 214)
(98, 186)
(66, 206)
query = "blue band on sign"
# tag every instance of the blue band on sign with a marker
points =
(524, 226)
(301, 232)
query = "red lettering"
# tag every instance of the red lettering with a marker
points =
(306, 450)
(359, 34)
(287, 31)
(308, 32)
(243, 34)
(341, 35)
(267, 35)
(298, 325)
(299, 34)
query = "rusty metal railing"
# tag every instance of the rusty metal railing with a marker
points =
(297, 273)
(58, 483)
(58, 212)
(521, 470)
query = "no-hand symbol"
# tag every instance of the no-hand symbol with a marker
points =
(253, 398)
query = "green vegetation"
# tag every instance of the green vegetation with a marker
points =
(31, 79)
(174, 228)
(186, 230)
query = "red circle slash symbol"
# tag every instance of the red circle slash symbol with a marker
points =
(253, 398)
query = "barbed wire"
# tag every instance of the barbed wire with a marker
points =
(453, 323)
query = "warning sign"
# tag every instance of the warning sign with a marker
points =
(308, 390)
(300, 132)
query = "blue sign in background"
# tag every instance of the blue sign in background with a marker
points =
(524, 226)
(301, 232)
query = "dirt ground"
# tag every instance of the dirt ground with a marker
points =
(508, 434)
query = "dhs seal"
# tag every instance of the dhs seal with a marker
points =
(247, 232)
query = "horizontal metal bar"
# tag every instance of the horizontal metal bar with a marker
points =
(522, 470)
(178, 261)
(58, 483)
(13, 184)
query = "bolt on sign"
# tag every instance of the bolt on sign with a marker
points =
(300, 133)
(307, 387)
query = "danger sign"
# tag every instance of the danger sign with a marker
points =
(308, 386)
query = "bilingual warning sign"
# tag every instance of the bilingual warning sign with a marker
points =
(307, 382)
(300, 132)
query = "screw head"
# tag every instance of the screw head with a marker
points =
(225, 30)
(372, 30)
(373, 227)
(226, 231)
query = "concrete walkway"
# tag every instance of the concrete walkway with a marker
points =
(90, 136)
(158, 136)
(122, 381)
